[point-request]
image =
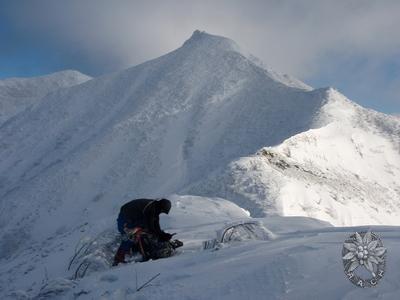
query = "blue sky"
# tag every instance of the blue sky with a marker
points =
(351, 45)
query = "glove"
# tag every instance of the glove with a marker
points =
(165, 236)
(176, 244)
(132, 232)
(129, 234)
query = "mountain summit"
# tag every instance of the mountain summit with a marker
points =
(205, 119)
(201, 39)
(208, 120)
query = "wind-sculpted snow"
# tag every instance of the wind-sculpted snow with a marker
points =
(43, 264)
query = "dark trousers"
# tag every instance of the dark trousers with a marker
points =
(147, 244)
(126, 243)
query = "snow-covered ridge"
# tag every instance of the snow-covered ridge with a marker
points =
(16, 94)
(344, 170)
(208, 43)
(202, 120)
(166, 126)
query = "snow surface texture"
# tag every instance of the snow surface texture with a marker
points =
(206, 119)
(302, 260)
(194, 219)
(16, 94)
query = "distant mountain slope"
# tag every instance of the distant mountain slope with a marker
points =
(174, 124)
(18, 93)
(346, 172)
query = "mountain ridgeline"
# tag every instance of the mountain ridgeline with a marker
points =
(206, 119)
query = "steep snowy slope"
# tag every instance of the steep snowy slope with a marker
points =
(157, 129)
(346, 172)
(18, 93)
(147, 131)
(205, 119)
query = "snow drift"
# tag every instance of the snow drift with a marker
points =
(302, 261)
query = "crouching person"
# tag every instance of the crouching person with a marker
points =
(139, 224)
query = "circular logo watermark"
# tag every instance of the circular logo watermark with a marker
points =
(364, 257)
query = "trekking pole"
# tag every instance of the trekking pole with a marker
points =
(147, 282)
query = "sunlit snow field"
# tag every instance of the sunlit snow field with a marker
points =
(206, 119)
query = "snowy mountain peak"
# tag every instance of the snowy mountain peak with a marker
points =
(69, 74)
(201, 37)
(202, 43)
(333, 94)
(16, 94)
(337, 108)
(52, 77)
(197, 34)
(212, 42)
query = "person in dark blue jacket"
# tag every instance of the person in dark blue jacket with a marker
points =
(139, 224)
